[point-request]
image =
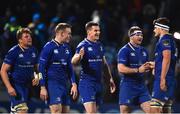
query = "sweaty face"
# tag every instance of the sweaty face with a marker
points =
(26, 40)
(137, 38)
(67, 35)
(94, 32)
(156, 32)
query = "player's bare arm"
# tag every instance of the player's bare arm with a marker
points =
(77, 57)
(35, 80)
(43, 93)
(112, 84)
(165, 67)
(4, 75)
(74, 91)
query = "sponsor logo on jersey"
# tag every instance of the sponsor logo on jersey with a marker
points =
(90, 49)
(132, 54)
(56, 51)
(21, 55)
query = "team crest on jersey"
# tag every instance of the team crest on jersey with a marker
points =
(166, 43)
(56, 51)
(33, 55)
(90, 49)
(21, 55)
(101, 48)
(67, 51)
(144, 54)
(132, 54)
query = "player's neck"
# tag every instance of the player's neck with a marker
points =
(164, 33)
(134, 44)
(23, 46)
(91, 39)
(58, 40)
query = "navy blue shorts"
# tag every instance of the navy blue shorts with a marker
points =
(22, 94)
(57, 93)
(131, 94)
(91, 92)
(157, 93)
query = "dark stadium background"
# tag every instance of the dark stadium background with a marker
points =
(116, 16)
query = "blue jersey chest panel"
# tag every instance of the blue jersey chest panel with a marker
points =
(27, 57)
(136, 56)
(60, 55)
(94, 52)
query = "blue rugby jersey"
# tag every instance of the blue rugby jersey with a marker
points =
(55, 63)
(22, 62)
(166, 42)
(92, 61)
(132, 57)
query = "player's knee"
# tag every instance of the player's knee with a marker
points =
(65, 109)
(19, 108)
(91, 111)
(124, 109)
(56, 108)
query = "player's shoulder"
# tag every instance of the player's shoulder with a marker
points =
(82, 43)
(49, 44)
(14, 49)
(167, 37)
(124, 48)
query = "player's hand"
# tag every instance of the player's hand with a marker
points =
(152, 64)
(74, 92)
(35, 81)
(43, 94)
(144, 68)
(11, 91)
(112, 86)
(81, 52)
(163, 86)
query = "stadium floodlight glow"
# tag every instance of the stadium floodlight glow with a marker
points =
(96, 19)
(95, 16)
(177, 35)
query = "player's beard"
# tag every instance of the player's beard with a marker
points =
(156, 35)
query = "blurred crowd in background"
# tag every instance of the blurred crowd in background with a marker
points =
(115, 18)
